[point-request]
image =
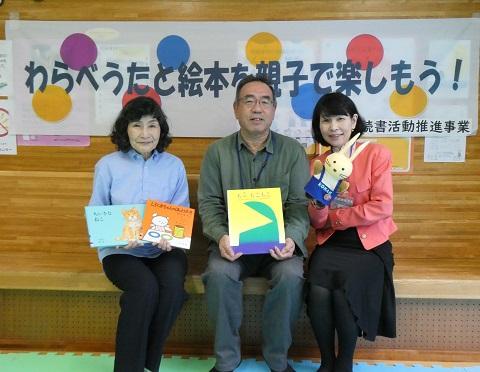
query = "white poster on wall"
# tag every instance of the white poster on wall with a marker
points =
(445, 149)
(408, 77)
(6, 81)
(8, 141)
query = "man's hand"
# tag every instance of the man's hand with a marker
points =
(226, 250)
(286, 252)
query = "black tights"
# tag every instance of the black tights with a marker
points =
(329, 311)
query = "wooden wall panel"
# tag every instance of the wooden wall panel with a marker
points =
(44, 188)
(230, 10)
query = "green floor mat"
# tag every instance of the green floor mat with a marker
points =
(86, 362)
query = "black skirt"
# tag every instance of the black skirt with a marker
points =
(365, 277)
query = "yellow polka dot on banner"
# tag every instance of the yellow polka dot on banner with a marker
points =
(53, 104)
(263, 47)
(410, 104)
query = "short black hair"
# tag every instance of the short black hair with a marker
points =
(250, 79)
(133, 111)
(333, 104)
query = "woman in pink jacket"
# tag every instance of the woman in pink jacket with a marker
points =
(350, 286)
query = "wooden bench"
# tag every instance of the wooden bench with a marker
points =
(413, 278)
(50, 280)
(36, 280)
(52, 286)
(75, 267)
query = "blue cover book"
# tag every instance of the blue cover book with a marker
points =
(323, 187)
(114, 225)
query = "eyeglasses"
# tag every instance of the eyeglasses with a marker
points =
(250, 101)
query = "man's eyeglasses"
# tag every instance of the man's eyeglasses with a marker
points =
(250, 101)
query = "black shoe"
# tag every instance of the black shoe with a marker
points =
(216, 370)
(288, 369)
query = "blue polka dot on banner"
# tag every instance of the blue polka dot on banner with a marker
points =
(304, 102)
(172, 51)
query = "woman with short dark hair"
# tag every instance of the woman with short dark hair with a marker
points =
(150, 275)
(350, 286)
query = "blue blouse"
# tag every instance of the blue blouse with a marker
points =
(126, 178)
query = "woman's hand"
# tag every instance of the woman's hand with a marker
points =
(316, 204)
(164, 245)
(132, 244)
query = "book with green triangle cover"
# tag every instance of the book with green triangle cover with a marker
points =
(255, 220)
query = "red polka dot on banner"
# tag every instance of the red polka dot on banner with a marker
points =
(127, 97)
(363, 49)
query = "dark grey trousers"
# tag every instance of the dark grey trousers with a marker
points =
(283, 301)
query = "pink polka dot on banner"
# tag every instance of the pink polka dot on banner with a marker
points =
(78, 51)
(151, 93)
(363, 49)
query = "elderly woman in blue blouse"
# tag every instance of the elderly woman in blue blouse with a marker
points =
(151, 276)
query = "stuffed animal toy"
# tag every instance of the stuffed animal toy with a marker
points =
(329, 179)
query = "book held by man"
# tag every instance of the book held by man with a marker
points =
(167, 221)
(113, 225)
(255, 220)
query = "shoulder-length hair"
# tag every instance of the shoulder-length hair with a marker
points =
(333, 104)
(133, 111)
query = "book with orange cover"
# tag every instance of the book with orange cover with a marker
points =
(167, 221)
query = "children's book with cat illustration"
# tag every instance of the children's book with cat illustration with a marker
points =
(167, 221)
(114, 225)
(255, 220)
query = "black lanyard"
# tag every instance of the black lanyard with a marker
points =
(265, 160)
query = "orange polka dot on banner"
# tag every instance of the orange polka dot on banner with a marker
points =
(263, 47)
(53, 104)
(409, 105)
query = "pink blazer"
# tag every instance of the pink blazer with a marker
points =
(372, 192)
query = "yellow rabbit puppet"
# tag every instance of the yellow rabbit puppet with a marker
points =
(329, 179)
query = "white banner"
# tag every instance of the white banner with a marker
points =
(407, 77)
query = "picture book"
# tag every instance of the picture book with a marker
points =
(255, 220)
(113, 225)
(167, 221)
